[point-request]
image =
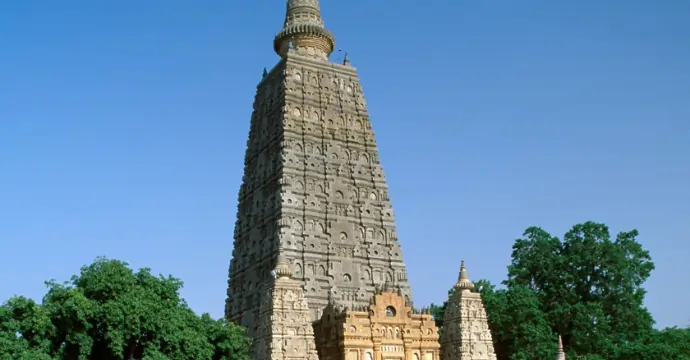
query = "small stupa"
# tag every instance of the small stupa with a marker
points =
(285, 330)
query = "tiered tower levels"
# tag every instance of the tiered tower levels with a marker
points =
(313, 185)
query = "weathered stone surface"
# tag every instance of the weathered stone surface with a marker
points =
(466, 334)
(284, 324)
(313, 185)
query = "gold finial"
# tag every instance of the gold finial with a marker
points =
(283, 266)
(464, 282)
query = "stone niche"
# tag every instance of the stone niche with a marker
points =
(387, 329)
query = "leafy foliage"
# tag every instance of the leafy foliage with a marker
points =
(110, 312)
(671, 343)
(586, 288)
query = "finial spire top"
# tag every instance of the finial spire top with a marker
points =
(283, 266)
(561, 353)
(304, 27)
(331, 300)
(464, 282)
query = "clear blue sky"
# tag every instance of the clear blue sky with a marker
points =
(123, 128)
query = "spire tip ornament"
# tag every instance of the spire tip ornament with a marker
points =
(561, 353)
(282, 266)
(304, 28)
(464, 283)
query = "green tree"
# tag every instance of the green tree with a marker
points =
(110, 312)
(589, 286)
(667, 344)
(438, 311)
(518, 326)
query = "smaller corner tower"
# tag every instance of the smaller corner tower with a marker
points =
(285, 330)
(466, 334)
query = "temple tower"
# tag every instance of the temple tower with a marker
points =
(285, 328)
(313, 185)
(466, 334)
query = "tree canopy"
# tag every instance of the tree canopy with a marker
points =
(110, 312)
(586, 287)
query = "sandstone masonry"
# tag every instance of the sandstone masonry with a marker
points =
(284, 324)
(466, 334)
(313, 185)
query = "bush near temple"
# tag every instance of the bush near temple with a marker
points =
(586, 287)
(110, 312)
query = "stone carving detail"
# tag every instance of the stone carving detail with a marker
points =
(313, 186)
(387, 328)
(466, 334)
(284, 327)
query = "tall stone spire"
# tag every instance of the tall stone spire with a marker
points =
(314, 206)
(304, 28)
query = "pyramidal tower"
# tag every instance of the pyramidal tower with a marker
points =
(313, 187)
(466, 334)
